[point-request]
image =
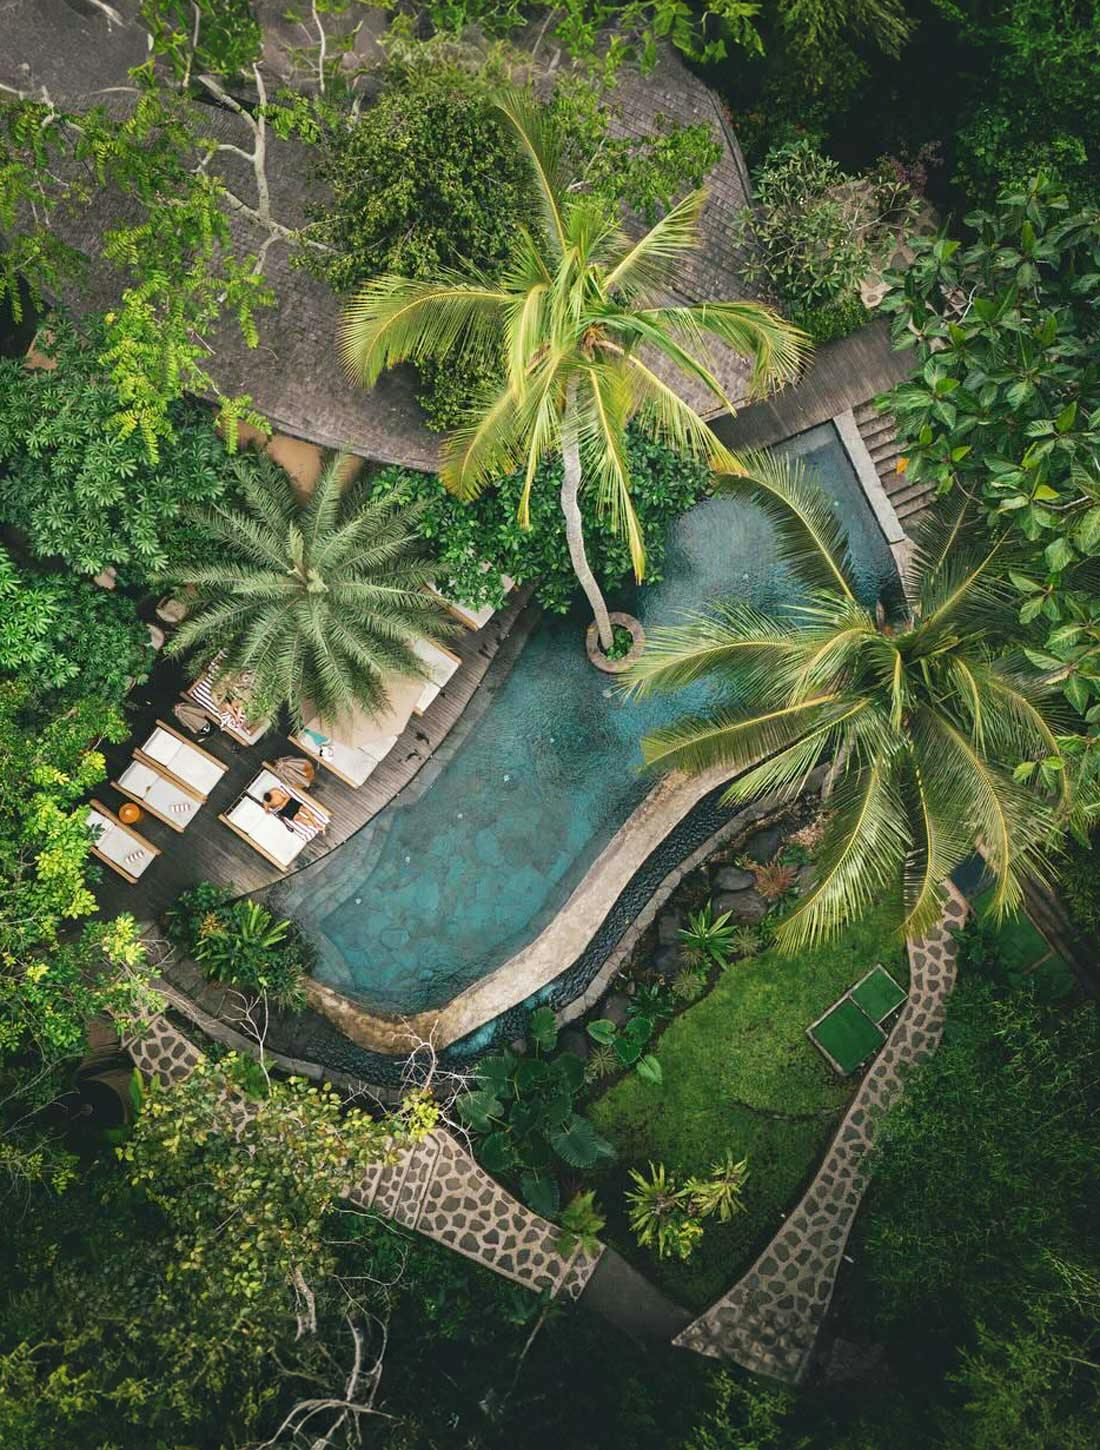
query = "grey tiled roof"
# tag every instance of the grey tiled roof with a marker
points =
(75, 51)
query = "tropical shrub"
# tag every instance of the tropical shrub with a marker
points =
(660, 1214)
(1004, 406)
(628, 1044)
(242, 944)
(522, 1112)
(67, 638)
(707, 939)
(81, 490)
(746, 941)
(719, 1193)
(463, 536)
(816, 233)
(319, 602)
(581, 1222)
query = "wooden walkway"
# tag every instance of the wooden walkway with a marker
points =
(208, 850)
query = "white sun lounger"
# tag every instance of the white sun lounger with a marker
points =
(181, 760)
(174, 804)
(115, 844)
(355, 746)
(227, 715)
(277, 839)
(441, 665)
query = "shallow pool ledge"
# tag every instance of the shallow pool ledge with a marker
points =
(555, 948)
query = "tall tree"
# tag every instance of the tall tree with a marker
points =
(932, 731)
(317, 601)
(580, 319)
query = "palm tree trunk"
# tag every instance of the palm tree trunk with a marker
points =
(574, 527)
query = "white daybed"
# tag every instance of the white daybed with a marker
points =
(117, 845)
(357, 744)
(181, 760)
(174, 804)
(276, 838)
(441, 665)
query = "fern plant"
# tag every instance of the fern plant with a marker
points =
(581, 1222)
(719, 1193)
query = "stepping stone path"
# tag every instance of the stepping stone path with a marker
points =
(436, 1188)
(769, 1321)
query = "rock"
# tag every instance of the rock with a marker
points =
(731, 878)
(806, 875)
(744, 906)
(613, 1007)
(668, 928)
(668, 961)
(763, 845)
(574, 1040)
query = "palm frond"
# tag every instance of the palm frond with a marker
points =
(661, 411)
(398, 319)
(738, 739)
(860, 859)
(541, 141)
(777, 348)
(735, 636)
(603, 417)
(653, 260)
(489, 445)
(811, 538)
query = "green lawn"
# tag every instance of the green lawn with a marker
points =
(740, 1073)
(878, 994)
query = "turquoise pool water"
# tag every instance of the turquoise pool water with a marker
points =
(452, 879)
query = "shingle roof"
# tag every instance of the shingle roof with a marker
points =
(78, 53)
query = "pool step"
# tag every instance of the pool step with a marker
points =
(880, 435)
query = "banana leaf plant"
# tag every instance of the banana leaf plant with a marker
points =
(521, 1111)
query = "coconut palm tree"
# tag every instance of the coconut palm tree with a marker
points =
(317, 601)
(928, 724)
(581, 320)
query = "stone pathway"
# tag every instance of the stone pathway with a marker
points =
(769, 1321)
(436, 1188)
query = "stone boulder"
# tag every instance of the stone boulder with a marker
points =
(731, 878)
(747, 907)
(762, 845)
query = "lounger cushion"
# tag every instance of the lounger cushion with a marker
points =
(268, 831)
(159, 793)
(183, 760)
(118, 845)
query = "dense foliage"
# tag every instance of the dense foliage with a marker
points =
(814, 234)
(463, 537)
(1005, 404)
(81, 490)
(979, 1227)
(68, 636)
(241, 944)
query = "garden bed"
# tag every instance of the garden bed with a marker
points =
(739, 1073)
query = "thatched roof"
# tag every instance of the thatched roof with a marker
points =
(80, 50)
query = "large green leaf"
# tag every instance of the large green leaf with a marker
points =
(496, 1153)
(602, 1030)
(495, 1072)
(532, 1074)
(578, 1143)
(571, 1071)
(479, 1109)
(543, 1029)
(540, 1192)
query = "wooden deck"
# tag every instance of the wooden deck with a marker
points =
(207, 850)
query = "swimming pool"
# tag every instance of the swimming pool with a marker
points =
(451, 880)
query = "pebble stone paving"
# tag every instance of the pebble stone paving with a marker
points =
(769, 1321)
(436, 1188)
